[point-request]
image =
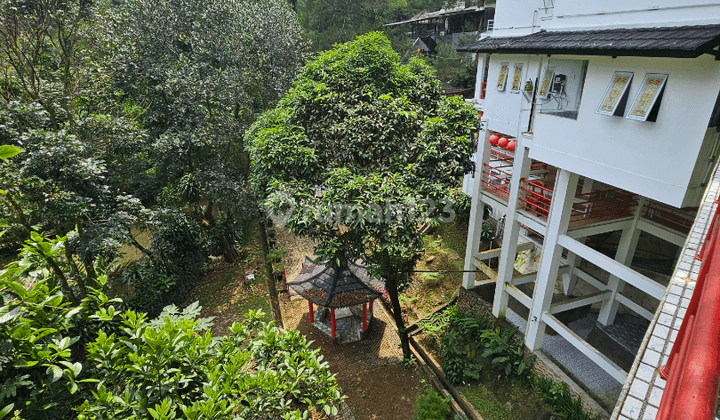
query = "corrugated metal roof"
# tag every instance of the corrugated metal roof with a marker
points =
(677, 41)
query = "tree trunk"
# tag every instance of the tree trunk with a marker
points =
(391, 287)
(274, 302)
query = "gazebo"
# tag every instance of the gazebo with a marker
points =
(338, 293)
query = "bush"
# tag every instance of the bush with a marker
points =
(172, 367)
(555, 394)
(177, 257)
(432, 406)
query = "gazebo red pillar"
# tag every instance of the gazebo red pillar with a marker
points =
(310, 314)
(364, 317)
(371, 306)
(332, 322)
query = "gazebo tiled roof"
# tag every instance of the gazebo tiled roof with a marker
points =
(328, 286)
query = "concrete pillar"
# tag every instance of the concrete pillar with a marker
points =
(521, 169)
(623, 255)
(570, 279)
(558, 220)
(477, 209)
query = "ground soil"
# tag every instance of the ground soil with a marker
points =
(378, 387)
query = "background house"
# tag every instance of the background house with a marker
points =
(613, 108)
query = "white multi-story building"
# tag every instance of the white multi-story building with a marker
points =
(614, 109)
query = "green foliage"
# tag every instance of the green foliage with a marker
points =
(505, 356)
(556, 394)
(408, 363)
(453, 67)
(203, 71)
(327, 23)
(42, 334)
(172, 367)
(163, 275)
(431, 406)
(59, 360)
(487, 232)
(276, 254)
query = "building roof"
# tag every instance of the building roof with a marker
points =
(332, 287)
(438, 14)
(677, 41)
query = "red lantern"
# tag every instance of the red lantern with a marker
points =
(511, 146)
(503, 142)
(494, 139)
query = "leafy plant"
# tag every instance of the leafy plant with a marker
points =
(556, 394)
(431, 406)
(276, 254)
(503, 354)
(408, 363)
(487, 233)
(173, 367)
(42, 334)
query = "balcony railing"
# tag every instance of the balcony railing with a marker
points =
(668, 216)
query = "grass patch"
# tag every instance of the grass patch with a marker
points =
(225, 293)
(486, 404)
(454, 236)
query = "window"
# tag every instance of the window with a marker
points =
(502, 78)
(616, 95)
(517, 77)
(562, 86)
(646, 105)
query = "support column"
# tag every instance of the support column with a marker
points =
(570, 279)
(311, 315)
(477, 209)
(521, 169)
(624, 255)
(332, 322)
(558, 220)
(364, 317)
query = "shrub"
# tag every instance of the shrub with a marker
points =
(432, 406)
(555, 394)
(177, 257)
(503, 354)
(172, 367)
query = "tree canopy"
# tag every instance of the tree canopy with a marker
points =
(361, 152)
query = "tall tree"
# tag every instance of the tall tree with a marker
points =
(53, 104)
(202, 71)
(360, 153)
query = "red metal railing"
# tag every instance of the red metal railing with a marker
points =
(535, 197)
(693, 369)
(496, 181)
(668, 216)
(604, 204)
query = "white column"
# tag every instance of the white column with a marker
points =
(560, 209)
(623, 255)
(570, 279)
(521, 169)
(477, 209)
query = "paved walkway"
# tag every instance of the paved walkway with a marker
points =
(644, 387)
